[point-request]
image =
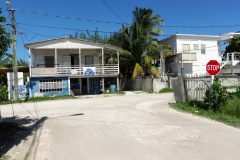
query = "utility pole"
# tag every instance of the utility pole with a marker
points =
(15, 65)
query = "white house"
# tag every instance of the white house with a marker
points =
(192, 52)
(59, 66)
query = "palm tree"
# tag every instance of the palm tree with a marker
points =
(5, 61)
(137, 42)
(142, 33)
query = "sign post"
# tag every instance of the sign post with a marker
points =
(213, 68)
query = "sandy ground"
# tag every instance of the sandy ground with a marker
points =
(129, 127)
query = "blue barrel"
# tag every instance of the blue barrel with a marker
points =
(112, 88)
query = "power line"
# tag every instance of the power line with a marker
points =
(81, 19)
(237, 25)
(73, 29)
(36, 34)
(113, 11)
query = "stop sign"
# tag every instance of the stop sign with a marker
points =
(213, 67)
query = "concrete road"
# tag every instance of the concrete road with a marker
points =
(129, 127)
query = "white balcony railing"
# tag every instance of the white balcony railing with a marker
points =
(187, 56)
(88, 70)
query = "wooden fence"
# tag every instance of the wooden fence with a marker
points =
(197, 85)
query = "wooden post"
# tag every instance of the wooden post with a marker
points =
(88, 86)
(103, 87)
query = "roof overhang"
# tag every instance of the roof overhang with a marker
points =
(70, 43)
(228, 36)
(224, 37)
(20, 69)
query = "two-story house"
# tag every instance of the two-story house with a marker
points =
(192, 52)
(64, 65)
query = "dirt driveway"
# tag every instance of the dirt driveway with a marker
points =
(129, 127)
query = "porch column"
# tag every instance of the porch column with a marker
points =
(118, 84)
(103, 60)
(56, 59)
(69, 86)
(80, 59)
(80, 85)
(88, 86)
(118, 61)
(30, 63)
(118, 71)
(103, 87)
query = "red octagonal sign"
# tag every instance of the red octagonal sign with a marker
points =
(213, 67)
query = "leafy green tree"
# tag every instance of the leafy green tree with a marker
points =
(5, 37)
(22, 62)
(137, 42)
(95, 37)
(234, 45)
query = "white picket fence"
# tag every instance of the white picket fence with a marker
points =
(196, 86)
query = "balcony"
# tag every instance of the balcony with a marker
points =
(186, 56)
(76, 70)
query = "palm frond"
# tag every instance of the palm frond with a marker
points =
(138, 71)
(155, 71)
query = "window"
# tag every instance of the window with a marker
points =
(195, 47)
(49, 61)
(186, 48)
(88, 60)
(203, 48)
(50, 85)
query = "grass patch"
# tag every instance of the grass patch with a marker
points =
(39, 99)
(166, 90)
(229, 114)
(147, 91)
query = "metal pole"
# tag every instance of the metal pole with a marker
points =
(211, 91)
(15, 65)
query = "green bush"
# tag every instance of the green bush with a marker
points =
(233, 108)
(165, 90)
(218, 97)
(3, 94)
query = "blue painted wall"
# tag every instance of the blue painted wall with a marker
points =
(34, 87)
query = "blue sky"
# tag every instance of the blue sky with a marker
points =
(173, 12)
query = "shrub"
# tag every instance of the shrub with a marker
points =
(233, 108)
(3, 94)
(217, 98)
(165, 90)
